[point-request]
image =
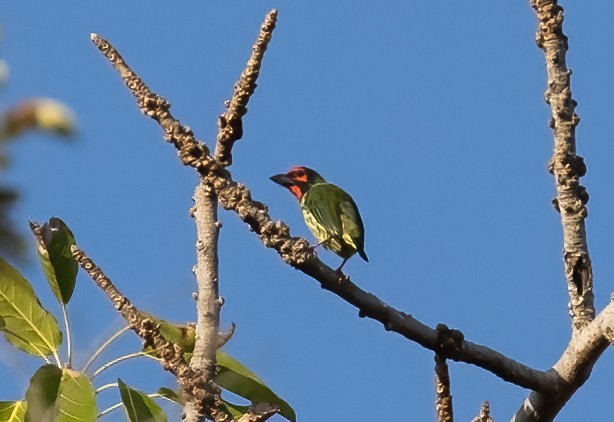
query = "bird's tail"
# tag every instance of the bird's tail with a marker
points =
(363, 255)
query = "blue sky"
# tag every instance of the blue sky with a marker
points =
(430, 114)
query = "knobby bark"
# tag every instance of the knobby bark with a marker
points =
(443, 403)
(204, 394)
(589, 335)
(231, 123)
(484, 415)
(208, 302)
(566, 166)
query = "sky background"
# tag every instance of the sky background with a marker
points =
(430, 114)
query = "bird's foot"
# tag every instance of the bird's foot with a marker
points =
(317, 245)
(342, 277)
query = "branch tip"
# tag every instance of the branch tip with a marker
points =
(230, 123)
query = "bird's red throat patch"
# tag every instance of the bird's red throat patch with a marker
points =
(296, 191)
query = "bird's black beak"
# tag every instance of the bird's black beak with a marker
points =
(283, 180)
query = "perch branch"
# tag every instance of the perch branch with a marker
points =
(231, 123)
(566, 166)
(296, 251)
(443, 404)
(208, 303)
(206, 395)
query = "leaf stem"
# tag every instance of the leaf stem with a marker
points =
(120, 359)
(68, 338)
(117, 405)
(104, 345)
(109, 409)
(104, 387)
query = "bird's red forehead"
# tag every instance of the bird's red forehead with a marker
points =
(298, 174)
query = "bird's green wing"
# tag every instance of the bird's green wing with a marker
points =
(337, 212)
(322, 201)
(353, 228)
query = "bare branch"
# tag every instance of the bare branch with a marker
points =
(158, 108)
(484, 414)
(208, 303)
(445, 412)
(206, 395)
(231, 123)
(589, 339)
(566, 166)
(296, 251)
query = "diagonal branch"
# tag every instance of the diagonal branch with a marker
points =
(231, 123)
(566, 166)
(206, 396)
(296, 251)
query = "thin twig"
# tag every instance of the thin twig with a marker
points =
(104, 346)
(208, 303)
(297, 252)
(231, 123)
(566, 166)
(206, 395)
(443, 404)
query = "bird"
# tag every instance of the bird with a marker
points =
(329, 212)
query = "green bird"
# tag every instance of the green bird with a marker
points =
(329, 212)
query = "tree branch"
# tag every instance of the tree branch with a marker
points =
(231, 123)
(566, 166)
(208, 303)
(259, 412)
(484, 415)
(589, 339)
(206, 395)
(572, 370)
(445, 412)
(296, 251)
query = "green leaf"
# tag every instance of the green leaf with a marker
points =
(12, 411)
(235, 377)
(182, 335)
(171, 395)
(140, 407)
(27, 325)
(60, 395)
(236, 410)
(54, 240)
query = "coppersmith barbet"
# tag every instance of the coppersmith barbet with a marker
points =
(329, 212)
